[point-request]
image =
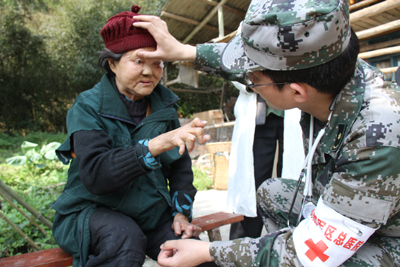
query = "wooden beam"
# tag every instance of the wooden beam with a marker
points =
(190, 91)
(187, 20)
(379, 30)
(362, 4)
(204, 22)
(171, 82)
(389, 70)
(380, 52)
(221, 103)
(380, 45)
(238, 12)
(224, 39)
(374, 10)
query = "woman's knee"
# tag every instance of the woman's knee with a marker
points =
(115, 237)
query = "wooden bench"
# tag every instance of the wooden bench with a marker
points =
(212, 222)
(56, 257)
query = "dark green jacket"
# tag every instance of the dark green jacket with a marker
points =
(146, 199)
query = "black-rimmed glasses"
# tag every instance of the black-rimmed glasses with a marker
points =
(250, 85)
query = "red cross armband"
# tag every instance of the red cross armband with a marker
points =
(327, 238)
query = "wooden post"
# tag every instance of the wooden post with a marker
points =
(204, 22)
(19, 231)
(221, 103)
(165, 74)
(238, 12)
(221, 22)
(23, 213)
(24, 204)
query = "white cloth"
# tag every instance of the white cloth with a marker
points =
(293, 150)
(188, 75)
(241, 197)
(241, 186)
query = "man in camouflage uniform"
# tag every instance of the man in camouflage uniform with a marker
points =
(303, 54)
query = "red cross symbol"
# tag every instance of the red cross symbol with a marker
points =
(316, 250)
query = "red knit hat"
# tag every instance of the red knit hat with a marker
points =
(120, 36)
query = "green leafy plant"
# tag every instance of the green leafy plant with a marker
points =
(38, 179)
(201, 180)
(47, 152)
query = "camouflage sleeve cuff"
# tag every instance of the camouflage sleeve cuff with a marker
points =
(147, 161)
(247, 251)
(238, 252)
(183, 203)
(208, 60)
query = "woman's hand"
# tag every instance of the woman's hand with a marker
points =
(183, 136)
(184, 253)
(181, 226)
(168, 48)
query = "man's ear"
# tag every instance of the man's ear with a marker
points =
(299, 91)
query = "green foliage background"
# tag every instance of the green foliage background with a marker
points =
(49, 55)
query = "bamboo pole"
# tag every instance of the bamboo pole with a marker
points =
(374, 10)
(221, 22)
(204, 22)
(380, 52)
(380, 45)
(186, 20)
(23, 213)
(224, 39)
(190, 91)
(24, 204)
(362, 4)
(19, 231)
(381, 29)
(389, 70)
(238, 12)
(221, 103)
(171, 82)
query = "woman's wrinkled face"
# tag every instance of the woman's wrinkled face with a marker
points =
(136, 77)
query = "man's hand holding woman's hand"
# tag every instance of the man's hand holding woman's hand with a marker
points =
(184, 253)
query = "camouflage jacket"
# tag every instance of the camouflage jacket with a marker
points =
(355, 165)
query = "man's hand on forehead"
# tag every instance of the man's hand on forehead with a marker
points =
(168, 48)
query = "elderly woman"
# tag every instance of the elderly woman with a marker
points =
(129, 184)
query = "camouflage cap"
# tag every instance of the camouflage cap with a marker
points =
(288, 35)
